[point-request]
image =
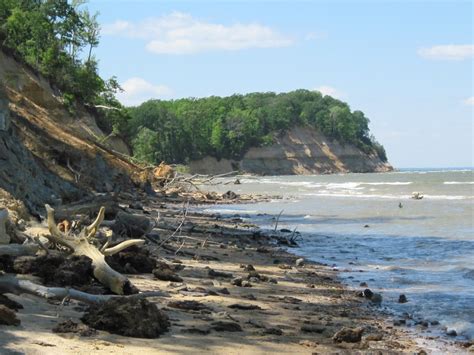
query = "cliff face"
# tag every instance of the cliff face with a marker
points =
(300, 151)
(47, 154)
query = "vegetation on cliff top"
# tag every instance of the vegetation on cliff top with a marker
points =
(226, 127)
(56, 38)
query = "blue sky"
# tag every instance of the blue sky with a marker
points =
(406, 64)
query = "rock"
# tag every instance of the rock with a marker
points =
(226, 326)
(131, 225)
(188, 305)
(402, 299)
(230, 195)
(133, 260)
(272, 331)
(57, 270)
(451, 333)
(249, 297)
(166, 275)
(246, 284)
(399, 322)
(374, 337)
(7, 316)
(363, 284)
(310, 328)
(245, 307)
(70, 326)
(4, 300)
(249, 267)
(434, 322)
(376, 298)
(213, 273)
(368, 293)
(237, 281)
(348, 335)
(133, 317)
(223, 291)
(299, 262)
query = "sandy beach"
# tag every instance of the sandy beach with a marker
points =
(239, 294)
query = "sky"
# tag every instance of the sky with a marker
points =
(408, 65)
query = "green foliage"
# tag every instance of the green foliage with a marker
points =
(227, 127)
(56, 37)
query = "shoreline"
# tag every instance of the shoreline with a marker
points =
(287, 309)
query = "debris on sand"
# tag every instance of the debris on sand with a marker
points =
(69, 326)
(132, 316)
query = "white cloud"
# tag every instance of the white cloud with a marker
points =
(329, 91)
(137, 90)
(469, 101)
(448, 52)
(180, 33)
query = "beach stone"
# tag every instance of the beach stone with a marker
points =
(132, 225)
(246, 284)
(188, 305)
(368, 293)
(166, 275)
(311, 328)
(363, 284)
(402, 299)
(309, 343)
(133, 260)
(237, 281)
(7, 316)
(348, 335)
(4, 300)
(245, 307)
(223, 291)
(249, 268)
(213, 273)
(451, 333)
(399, 322)
(226, 326)
(133, 317)
(299, 262)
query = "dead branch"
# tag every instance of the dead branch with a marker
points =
(11, 284)
(276, 222)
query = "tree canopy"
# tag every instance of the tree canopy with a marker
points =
(226, 127)
(56, 38)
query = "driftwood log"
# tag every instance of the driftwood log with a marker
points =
(11, 284)
(82, 245)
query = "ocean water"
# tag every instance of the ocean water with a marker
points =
(368, 227)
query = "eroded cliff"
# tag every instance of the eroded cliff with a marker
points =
(48, 154)
(302, 150)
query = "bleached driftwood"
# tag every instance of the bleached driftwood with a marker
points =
(82, 245)
(4, 237)
(11, 284)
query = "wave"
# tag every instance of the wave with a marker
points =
(395, 183)
(326, 193)
(458, 182)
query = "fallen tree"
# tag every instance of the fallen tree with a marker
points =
(82, 244)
